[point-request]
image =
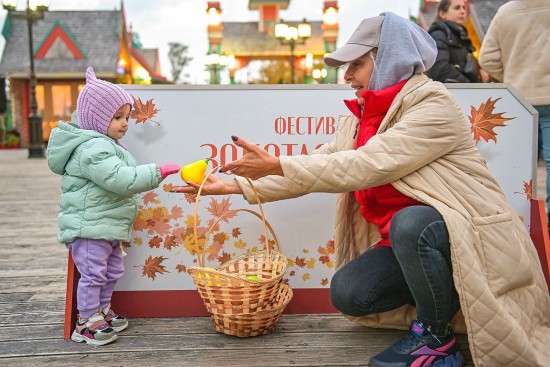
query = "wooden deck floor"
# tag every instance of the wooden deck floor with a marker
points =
(32, 301)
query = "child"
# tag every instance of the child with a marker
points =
(100, 183)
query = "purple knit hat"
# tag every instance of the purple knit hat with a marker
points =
(97, 103)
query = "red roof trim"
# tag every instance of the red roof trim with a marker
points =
(58, 32)
(135, 53)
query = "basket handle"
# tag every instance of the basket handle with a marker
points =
(201, 259)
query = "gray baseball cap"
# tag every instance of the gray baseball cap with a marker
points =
(364, 38)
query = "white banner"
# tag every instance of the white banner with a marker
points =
(176, 124)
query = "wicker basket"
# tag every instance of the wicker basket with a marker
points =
(256, 323)
(226, 290)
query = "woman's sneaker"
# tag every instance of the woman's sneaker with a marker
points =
(94, 331)
(421, 349)
(117, 322)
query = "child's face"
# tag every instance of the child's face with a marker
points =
(119, 123)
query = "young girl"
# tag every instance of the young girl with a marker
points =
(100, 183)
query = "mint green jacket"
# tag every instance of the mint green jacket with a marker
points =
(100, 184)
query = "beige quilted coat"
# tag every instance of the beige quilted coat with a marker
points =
(425, 149)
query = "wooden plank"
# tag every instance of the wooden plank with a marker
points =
(208, 357)
(372, 341)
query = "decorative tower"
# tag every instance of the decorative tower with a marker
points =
(215, 36)
(330, 35)
(269, 12)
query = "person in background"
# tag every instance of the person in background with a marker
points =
(3, 111)
(516, 50)
(422, 227)
(454, 46)
(99, 204)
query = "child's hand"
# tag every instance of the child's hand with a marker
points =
(168, 169)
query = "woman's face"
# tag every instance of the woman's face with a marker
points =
(358, 74)
(456, 12)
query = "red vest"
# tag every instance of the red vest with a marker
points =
(378, 204)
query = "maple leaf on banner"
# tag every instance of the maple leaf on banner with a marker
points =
(179, 234)
(483, 121)
(167, 187)
(176, 213)
(324, 281)
(138, 241)
(213, 224)
(189, 243)
(160, 227)
(236, 232)
(217, 208)
(143, 112)
(190, 198)
(213, 251)
(300, 261)
(221, 237)
(190, 221)
(239, 244)
(306, 277)
(125, 244)
(153, 266)
(170, 242)
(311, 263)
(151, 197)
(225, 257)
(527, 189)
(155, 242)
(181, 268)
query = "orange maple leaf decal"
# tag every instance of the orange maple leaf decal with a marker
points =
(169, 242)
(225, 257)
(483, 121)
(151, 197)
(181, 268)
(167, 187)
(239, 244)
(217, 208)
(155, 242)
(143, 112)
(221, 237)
(190, 198)
(176, 213)
(324, 281)
(153, 266)
(527, 189)
(236, 232)
(300, 261)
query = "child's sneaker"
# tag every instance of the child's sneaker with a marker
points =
(421, 349)
(94, 331)
(117, 322)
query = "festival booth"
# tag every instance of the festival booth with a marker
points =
(182, 124)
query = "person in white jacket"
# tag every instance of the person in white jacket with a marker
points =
(516, 50)
(424, 237)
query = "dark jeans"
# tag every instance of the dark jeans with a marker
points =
(415, 270)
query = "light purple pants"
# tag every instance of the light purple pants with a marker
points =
(100, 265)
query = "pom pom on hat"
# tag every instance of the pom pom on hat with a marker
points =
(98, 101)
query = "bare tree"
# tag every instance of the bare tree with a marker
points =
(178, 58)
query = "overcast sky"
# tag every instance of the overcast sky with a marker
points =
(162, 21)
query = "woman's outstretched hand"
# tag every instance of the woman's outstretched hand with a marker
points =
(256, 163)
(213, 186)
